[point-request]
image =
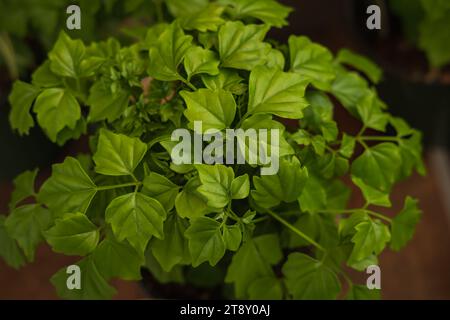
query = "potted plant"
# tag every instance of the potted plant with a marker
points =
(238, 227)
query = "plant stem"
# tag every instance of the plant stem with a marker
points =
(296, 231)
(116, 186)
(188, 83)
(370, 212)
(379, 138)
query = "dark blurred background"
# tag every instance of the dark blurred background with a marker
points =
(410, 88)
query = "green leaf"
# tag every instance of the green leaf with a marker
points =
(176, 275)
(216, 109)
(216, 184)
(21, 98)
(25, 224)
(162, 189)
(23, 187)
(69, 189)
(227, 79)
(9, 250)
(370, 69)
(266, 288)
(232, 236)
(240, 187)
(252, 262)
(105, 104)
(434, 39)
(313, 197)
(173, 249)
(189, 203)
(347, 145)
(378, 166)
(168, 52)
(199, 60)
(286, 185)
(359, 292)
(321, 228)
(56, 109)
(370, 238)
(93, 284)
(73, 234)
(205, 241)
(307, 278)
(66, 56)
(276, 92)
(404, 224)
(43, 77)
(241, 46)
(118, 154)
(312, 61)
(372, 195)
(181, 7)
(270, 12)
(136, 217)
(349, 88)
(115, 259)
(370, 111)
(206, 19)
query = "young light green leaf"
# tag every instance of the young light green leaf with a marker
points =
(404, 224)
(69, 189)
(189, 203)
(162, 189)
(73, 234)
(199, 60)
(66, 56)
(241, 46)
(216, 109)
(370, 110)
(56, 109)
(173, 249)
(307, 278)
(9, 250)
(312, 61)
(232, 236)
(253, 261)
(270, 12)
(105, 104)
(378, 166)
(240, 187)
(216, 184)
(21, 99)
(286, 185)
(370, 69)
(136, 217)
(206, 19)
(23, 187)
(372, 195)
(349, 88)
(115, 259)
(93, 284)
(347, 145)
(168, 52)
(25, 224)
(205, 241)
(118, 154)
(370, 238)
(227, 79)
(276, 92)
(43, 77)
(179, 8)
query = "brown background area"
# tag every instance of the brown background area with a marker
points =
(420, 271)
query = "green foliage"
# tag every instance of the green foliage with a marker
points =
(427, 24)
(126, 205)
